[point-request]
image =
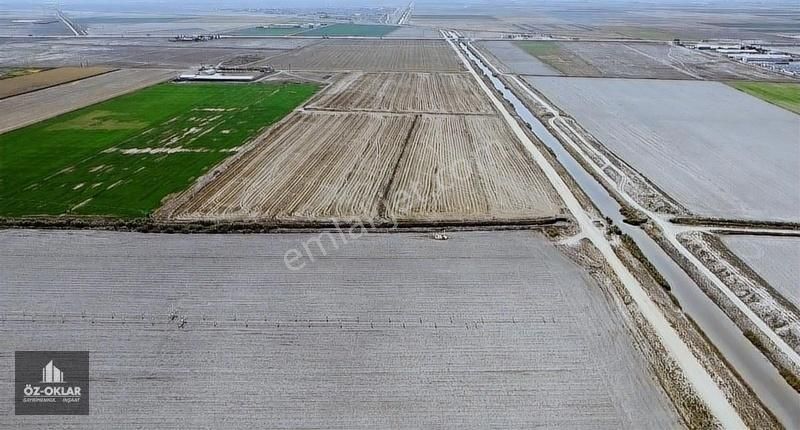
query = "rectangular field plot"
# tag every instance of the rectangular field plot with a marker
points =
(123, 156)
(406, 92)
(371, 55)
(776, 259)
(360, 30)
(26, 109)
(785, 95)
(509, 57)
(468, 168)
(485, 330)
(314, 166)
(639, 60)
(47, 78)
(363, 167)
(719, 152)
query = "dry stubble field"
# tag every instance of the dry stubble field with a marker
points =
(371, 55)
(413, 147)
(25, 109)
(47, 78)
(406, 92)
(355, 167)
(468, 167)
(315, 165)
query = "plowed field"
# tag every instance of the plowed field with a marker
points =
(371, 55)
(314, 166)
(407, 92)
(48, 78)
(467, 168)
(361, 167)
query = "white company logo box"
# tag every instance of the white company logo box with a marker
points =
(51, 382)
(52, 374)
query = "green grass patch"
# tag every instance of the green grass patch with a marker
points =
(121, 157)
(540, 49)
(785, 95)
(264, 31)
(363, 30)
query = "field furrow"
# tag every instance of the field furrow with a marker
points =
(406, 92)
(318, 166)
(467, 168)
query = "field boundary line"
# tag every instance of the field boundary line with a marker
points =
(111, 70)
(385, 192)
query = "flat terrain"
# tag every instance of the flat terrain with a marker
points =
(315, 166)
(123, 156)
(510, 57)
(372, 55)
(47, 78)
(364, 167)
(388, 331)
(25, 109)
(786, 96)
(265, 31)
(39, 25)
(407, 92)
(639, 60)
(360, 30)
(136, 52)
(719, 152)
(776, 259)
(472, 168)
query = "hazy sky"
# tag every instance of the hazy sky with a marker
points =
(190, 6)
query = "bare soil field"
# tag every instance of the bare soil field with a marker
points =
(386, 331)
(719, 152)
(47, 78)
(706, 65)
(776, 259)
(641, 60)
(314, 166)
(510, 58)
(406, 92)
(137, 53)
(371, 56)
(36, 25)
(410, 32)
(25, 109)
(461, 22)
(474, 168)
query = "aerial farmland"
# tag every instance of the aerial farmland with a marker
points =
(407, 215)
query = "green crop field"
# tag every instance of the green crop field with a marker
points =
(363, 30)
(121, 157)
(785, 95)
